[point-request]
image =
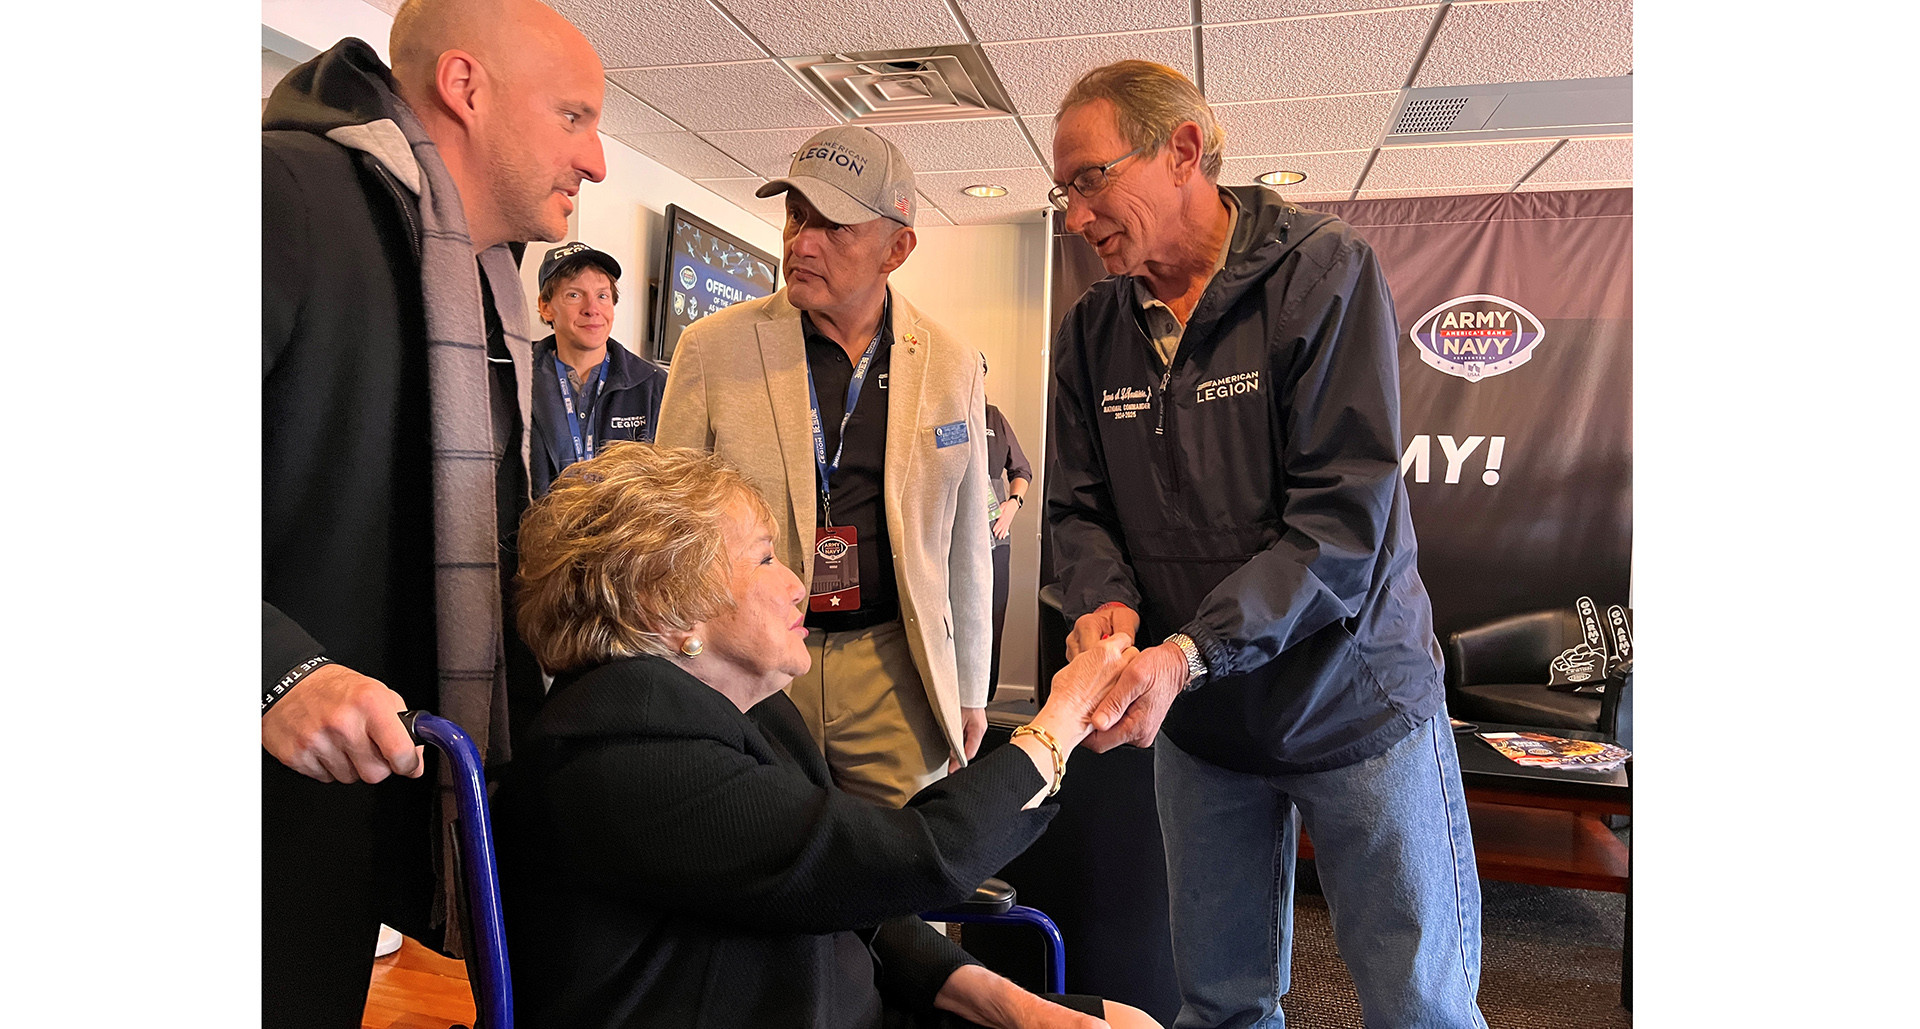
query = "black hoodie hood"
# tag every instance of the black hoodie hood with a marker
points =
(346, 85)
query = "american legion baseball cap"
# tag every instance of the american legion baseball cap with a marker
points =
(850, 175)
(573, 255)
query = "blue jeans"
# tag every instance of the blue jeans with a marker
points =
(1395, 856)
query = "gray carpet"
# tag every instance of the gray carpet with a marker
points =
(1549, 957)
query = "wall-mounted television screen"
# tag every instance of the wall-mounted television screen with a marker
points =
(703, 270)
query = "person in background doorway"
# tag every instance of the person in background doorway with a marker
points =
(588, 390)
(1011, 473)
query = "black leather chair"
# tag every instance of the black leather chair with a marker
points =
(1497, 672)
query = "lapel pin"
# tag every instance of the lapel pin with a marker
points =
(913, 345)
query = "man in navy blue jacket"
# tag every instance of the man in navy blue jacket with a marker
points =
(1227, 420)
(588, 390)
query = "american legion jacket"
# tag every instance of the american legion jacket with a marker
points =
(628, 408)
(1251, 497)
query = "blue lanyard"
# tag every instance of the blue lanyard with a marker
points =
(853, 397)
(582, 451)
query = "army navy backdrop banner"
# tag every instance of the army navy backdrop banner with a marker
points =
(1516, 386)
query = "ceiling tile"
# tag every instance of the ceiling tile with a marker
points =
(1531, 186)
(749, 95)
(1556, 39)
(1309, 199)
(1026, 193)
(1435, 191)
(623, 115)
(685, 153)
(1306, 126)
(1326, 173)
(928, 213)
(633, 33)
(1038, 74)
(793, 28)
(768, 152)
(939, 146)
(1588, 160)
(1450, 167)
(739, 193)
(1040, 127)
(1361, 53)
(1042, 19)
(1213, 12)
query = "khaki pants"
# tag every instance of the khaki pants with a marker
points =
(867, 708)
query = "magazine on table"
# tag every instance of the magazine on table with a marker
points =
(1540, 750)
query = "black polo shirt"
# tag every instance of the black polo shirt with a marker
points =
(859, 483)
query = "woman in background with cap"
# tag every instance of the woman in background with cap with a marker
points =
(588, 390)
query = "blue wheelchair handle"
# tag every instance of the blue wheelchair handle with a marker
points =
(495, 995)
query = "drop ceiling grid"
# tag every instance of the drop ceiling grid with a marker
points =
(623, 114)
(1555, 39)
(1026, 193)
(1458, 166)
(685, 153)
(739, 193)
(1038, 73)
(1376, 53)
(1531, 186)
(750, 95)
(939, 146)
(797, 28)
(768, 152)
(1325, 172)
(1215, 12)
(1588, 160)
(999, 20)
(929, 213)
(1437, 191)
(644, 33)
(1306, 126)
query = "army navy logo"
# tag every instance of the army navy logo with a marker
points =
(831, 548)
(687, 276)
(1477, 336)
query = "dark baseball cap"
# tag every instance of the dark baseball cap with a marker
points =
(573, 255)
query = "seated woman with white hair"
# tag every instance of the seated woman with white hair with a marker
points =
(673, 849)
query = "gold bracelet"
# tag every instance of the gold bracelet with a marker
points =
(1059, 759)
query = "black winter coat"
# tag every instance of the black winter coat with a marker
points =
(1251, 497)
(667, 860)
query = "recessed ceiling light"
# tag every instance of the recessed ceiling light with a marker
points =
(985, 191)
(1283, 178)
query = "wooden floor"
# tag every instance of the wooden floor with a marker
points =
(415, 988)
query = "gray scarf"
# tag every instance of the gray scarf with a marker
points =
(467, 448)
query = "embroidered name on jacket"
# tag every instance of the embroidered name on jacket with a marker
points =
(1227, 386)
(1125, 402)
(638, 421)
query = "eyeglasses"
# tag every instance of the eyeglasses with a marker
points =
(1088, 182)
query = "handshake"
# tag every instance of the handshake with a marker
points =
(1117, 693)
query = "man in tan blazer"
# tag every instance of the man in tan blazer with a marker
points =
(863, 425)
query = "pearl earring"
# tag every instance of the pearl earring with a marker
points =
(692, 647)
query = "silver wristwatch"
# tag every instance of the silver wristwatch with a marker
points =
(1196, 665)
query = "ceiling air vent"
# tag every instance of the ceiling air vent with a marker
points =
(924, 84)
(1514, 110)
(1433, 114)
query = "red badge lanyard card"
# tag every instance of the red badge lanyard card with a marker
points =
(836, 548)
